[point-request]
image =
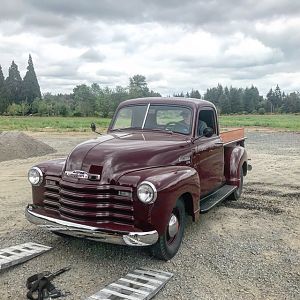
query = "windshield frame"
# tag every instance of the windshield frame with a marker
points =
(148, 105)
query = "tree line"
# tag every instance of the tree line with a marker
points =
(23, 97)
(18, 93)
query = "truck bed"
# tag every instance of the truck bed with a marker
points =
(232, 136)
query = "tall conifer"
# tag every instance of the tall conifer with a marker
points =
(30, 87)
(13, 84)
(3, 96)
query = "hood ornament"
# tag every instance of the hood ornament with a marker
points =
(79, 174)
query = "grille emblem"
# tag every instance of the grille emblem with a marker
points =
(82, 175)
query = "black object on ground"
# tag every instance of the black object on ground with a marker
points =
(40, 286)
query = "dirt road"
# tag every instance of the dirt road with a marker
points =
(248, 249)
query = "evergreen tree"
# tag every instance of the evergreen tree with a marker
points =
(195, 94)
(235, 98)
(13, 84)
(225, 102)
(251, 99)
(277, 98)
(30, 86)
(3, 94)
(1, 78)
(291, 103)
(271, 100)
(215, 95)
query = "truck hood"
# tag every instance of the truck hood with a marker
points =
(112, 155)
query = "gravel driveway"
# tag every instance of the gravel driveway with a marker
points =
(249, 249)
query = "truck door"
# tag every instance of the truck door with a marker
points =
(208, 152)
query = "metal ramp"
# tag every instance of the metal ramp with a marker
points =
(141, 284)
(17, 254)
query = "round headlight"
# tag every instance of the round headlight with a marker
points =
(147, 192)
(35, 176)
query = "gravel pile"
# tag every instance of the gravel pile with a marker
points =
(15, 145)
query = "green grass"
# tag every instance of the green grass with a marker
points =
(285, 122)
(52, 123)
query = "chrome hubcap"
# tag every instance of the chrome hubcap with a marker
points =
(173, 226)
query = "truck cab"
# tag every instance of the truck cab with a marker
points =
(161, 159)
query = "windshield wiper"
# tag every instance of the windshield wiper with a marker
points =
(126, 128)
(144, 129)
(160, 130)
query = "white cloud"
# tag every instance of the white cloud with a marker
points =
(177, 47)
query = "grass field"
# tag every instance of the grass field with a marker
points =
(285, 122)
(51, 123)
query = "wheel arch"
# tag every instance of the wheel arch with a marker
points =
(188, 201)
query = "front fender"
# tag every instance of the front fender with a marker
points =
(171, 183)
(235, 157)
(52, 167)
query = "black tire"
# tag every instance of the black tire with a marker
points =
(238, 192)
(167, 247)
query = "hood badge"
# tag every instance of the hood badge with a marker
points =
(79, 174)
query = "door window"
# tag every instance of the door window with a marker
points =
(206, 119)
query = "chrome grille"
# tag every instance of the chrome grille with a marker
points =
(89, 203)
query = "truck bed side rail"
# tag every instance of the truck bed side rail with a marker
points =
(232, 136)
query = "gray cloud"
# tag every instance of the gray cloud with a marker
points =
(92, 55)
(62, 70)
(139, 36)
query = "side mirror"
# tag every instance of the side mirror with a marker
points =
(93, 127)
(208, 132)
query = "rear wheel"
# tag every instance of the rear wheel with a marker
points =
(238, 192)
(168, 243)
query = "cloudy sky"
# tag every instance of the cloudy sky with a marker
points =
(178, 45)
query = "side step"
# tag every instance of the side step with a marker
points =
(213, 199)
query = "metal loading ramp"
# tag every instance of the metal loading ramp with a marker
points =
(141, 284)
(17, 254)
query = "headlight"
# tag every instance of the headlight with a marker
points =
(147, 192)
(35, 176)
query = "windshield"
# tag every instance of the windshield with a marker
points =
(171, 118)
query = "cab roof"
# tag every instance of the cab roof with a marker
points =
(192, 102)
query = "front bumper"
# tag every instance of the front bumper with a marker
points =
(93, 233)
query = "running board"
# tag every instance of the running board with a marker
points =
(213, 199)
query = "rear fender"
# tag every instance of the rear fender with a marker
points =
(171, 183)
(235, 159)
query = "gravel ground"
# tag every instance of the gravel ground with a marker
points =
(249, 249)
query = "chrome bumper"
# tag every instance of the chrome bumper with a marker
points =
(93, 233)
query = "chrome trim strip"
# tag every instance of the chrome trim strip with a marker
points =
(69, 228)
(234, 141)
(146, 116)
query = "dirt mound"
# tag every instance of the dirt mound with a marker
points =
(14, 145)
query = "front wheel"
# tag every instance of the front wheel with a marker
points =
(238, 192)
(168, 243)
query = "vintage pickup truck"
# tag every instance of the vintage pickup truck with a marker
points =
(161, 159)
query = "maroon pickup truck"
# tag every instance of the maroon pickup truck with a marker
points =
(161, 159)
